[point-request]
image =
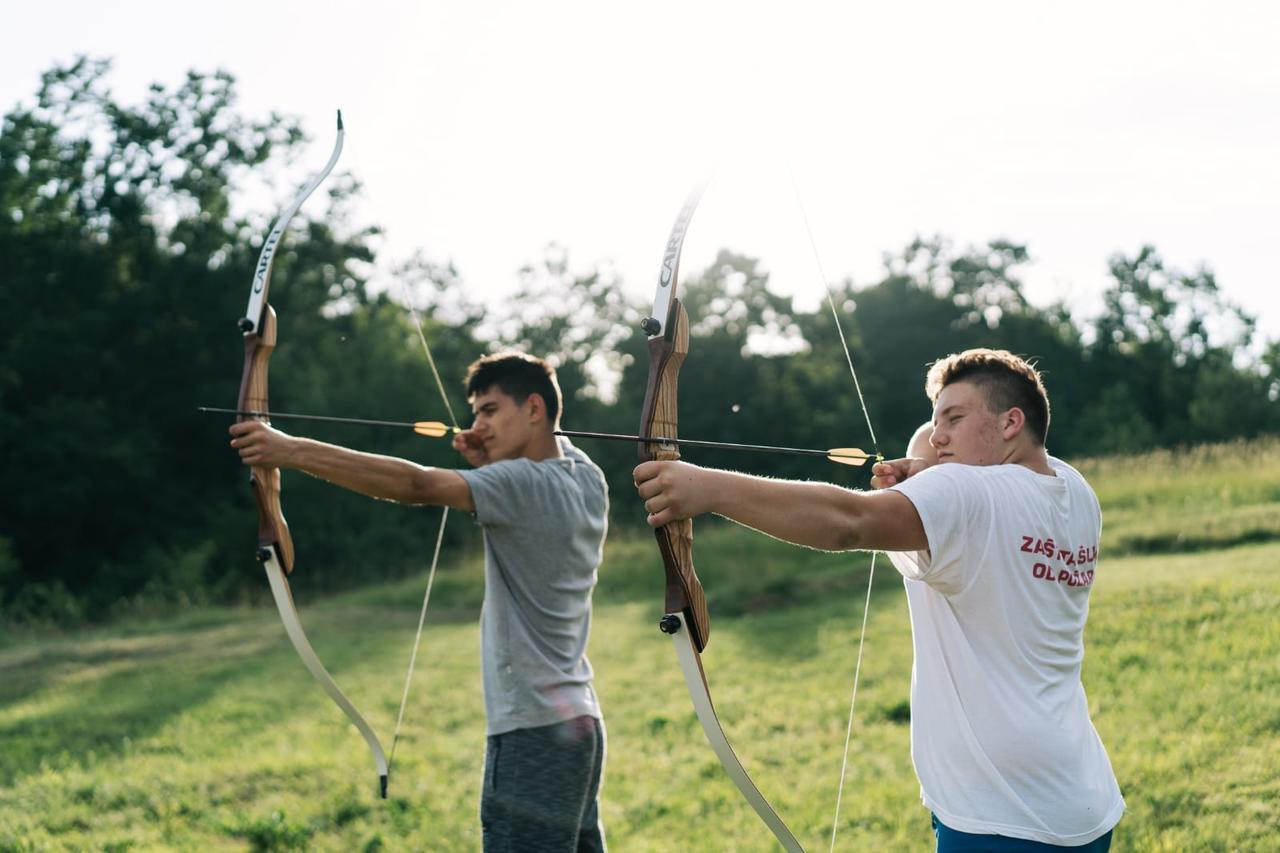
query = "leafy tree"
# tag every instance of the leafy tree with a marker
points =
(1227, 402)
(1180, 346)
(126, 269)
(126, 266)
(578, 321)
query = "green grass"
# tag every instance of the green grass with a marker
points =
(203, 731)
(1189, 499)
(1183, 674)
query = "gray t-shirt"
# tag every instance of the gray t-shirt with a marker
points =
(544, 527)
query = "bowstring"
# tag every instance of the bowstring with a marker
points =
(444, 520)
(417, 324)
(875, 446)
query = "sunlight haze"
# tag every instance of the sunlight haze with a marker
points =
(482, 132)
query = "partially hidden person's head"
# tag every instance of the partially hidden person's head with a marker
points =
(989, 407)
(516, 401)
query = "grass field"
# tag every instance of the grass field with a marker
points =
(203, 731)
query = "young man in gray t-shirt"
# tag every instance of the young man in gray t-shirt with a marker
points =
(543, 506)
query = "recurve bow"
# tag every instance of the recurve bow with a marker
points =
(275, 544)
(687, 619)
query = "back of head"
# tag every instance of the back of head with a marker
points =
(1006, 381)
(517, 375)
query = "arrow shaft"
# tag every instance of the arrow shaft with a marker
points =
(296, 417)
(689, 442)
(568, 433)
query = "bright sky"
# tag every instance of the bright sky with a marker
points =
(485, 130)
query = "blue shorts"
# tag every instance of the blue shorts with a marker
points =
(952, 841)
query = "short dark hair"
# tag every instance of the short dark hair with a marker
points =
(1006, 380)
(517, 375)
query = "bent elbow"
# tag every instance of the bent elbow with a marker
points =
(422, 490)
(849, 528)
(847, 537)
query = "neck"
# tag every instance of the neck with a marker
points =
(541, 447)
(1034, 457)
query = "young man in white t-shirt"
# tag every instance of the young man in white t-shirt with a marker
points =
(997, 543)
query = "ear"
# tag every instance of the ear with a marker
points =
(1011, 423)
(537, 408)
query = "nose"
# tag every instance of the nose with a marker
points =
(937, 438)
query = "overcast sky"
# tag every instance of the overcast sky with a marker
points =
(484, 131)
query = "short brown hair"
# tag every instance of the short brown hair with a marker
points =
(517, 375)
(1006, 380)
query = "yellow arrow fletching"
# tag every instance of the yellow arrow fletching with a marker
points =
(848, 455)
(433, 429)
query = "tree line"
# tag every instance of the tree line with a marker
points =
(126, 265)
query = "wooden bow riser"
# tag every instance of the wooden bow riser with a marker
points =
(684, 591)
(273, 531)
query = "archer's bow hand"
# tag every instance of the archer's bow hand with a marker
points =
(674, 490)
(260, 445)
(891, 472)
(472, 448)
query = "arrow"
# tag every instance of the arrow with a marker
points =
(436, 429)
(431, 429)
(842, 455)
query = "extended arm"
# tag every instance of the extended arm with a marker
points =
(817, 515)
(383, 477)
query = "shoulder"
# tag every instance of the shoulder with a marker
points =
(580, 460)
(1066, 471)
(572, 452)
(947, 489)
(546, 475)
(956, 489)
(504, 471)
(1074, 479)
(949, 475)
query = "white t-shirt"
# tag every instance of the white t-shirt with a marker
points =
(1000, 730)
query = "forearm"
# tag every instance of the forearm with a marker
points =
(382, 477)
(817, 515)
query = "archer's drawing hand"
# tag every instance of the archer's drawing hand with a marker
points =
(472, 448)
(894, 471)
(673, 491)
(261, 445)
